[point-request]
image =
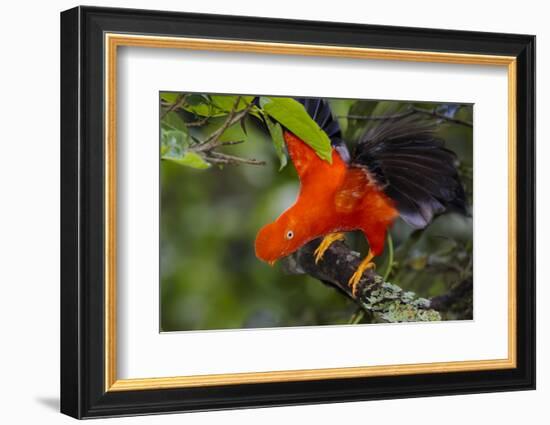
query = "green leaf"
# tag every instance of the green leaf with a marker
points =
(173, 142)
(356, 127)
(465, 113)
(198, 104)
(190, 159)
(202, 105)
(419, 262)
(369, 108)
(362, 108)
(257, 112)
(169, 97)
(276, 132)
(243, 127)
(293, 116)
(428, 106)
(226, 103)
(389, 107)
(234, 133)
(174, 121)
(341, 107)
(203, 110)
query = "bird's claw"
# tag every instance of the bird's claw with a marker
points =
(318, 253)
(325, 244)
(354, 280)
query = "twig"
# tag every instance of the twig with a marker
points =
(389, 267)
(197, 123)
(434, 113)
(232, 118)
(179, 103)
(356, 317)
(231, 142)
(377, 117)
(411, 111)
(207, 148)
(222, 158)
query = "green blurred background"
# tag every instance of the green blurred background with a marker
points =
(210, 276)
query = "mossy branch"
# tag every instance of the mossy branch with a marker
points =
(384, 301)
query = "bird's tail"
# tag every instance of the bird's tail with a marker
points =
(319, 110)
(411, 165)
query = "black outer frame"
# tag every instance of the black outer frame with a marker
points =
(82, 212)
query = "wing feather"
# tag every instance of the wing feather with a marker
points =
(412, 166)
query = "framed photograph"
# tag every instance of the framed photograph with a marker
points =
(261, 212)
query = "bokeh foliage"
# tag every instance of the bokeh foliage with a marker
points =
(211, 212)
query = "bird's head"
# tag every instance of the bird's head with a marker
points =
(279, 239)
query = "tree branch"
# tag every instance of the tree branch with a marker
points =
(233, 117)
(198, 123)
(385, 301)
(207, 149)
(178, 104)
(436, 114)
(223, 158)
(377, 117)
(459, 292)
(410, 111)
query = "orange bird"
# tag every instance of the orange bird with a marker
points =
(399, 169)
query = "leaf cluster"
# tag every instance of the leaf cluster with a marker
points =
(194, 126)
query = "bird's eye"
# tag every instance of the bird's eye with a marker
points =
(289, 234)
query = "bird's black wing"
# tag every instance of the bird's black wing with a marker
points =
(412, 166)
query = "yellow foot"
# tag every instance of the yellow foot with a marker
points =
(356, 277)
(325, 243)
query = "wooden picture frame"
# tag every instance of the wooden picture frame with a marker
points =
(90, 39)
